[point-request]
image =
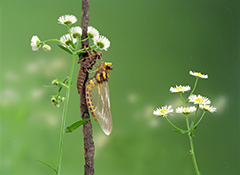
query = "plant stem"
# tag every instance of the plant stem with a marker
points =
(57, 41)
(182, 99)
(199, 119)
(195, 85)
(195, 116)
(79, 51)
(175, 126)
(192, 148)
(64, 114)
(89, 148)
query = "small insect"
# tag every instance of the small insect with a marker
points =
(87, 63)
(97, 97)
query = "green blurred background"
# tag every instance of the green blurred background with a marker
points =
(154, 45)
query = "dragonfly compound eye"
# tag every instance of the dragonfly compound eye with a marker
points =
(109, 67)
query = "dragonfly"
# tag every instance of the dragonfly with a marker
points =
(97, 96)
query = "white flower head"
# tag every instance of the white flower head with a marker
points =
(35, 43)
(208, 108)
(199, 99)
(180, 89)
(198, 74)
(67, 39)
(76, 32)
(92, 32)
(102, 42)
(163, 111)
(67, 19)
(186, 110)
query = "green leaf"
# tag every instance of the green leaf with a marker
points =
(65, 49)
(76, 125)
(48, 86)
(49, 166)
(180, 131)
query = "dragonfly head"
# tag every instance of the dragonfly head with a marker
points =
(108, 66)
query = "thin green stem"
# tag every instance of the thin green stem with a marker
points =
(79, 51)
(85, 39)
(65, 85)
(175, 126)
(182, 99)
(71, 37)
(192, 148)
(66, 46)
(195, 116)
(64, 114)
(199, 120)
(55, 40)
(195, 85)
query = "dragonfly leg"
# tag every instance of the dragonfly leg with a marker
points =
(80, 61)
(90, 50)
(93, 71)
(86, 50)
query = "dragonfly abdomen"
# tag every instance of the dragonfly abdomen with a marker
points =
(89, 86)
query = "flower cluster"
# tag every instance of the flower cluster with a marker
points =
(199, 100)
(74, 34)
(56, 100)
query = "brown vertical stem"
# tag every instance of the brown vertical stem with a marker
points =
(87, 126)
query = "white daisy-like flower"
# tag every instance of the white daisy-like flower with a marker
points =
(198, 74)
(67, 39)
(163, 111)
(35, 43)
(76, 32)
(92, 32)
(199, 99)
(186, 110)
(180, 89)
(102, 42)
(208, 108)
(67, 19)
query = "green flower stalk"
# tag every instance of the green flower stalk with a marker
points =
(200, 102)
(64, 114)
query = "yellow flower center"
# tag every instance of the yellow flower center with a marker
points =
(199, 74)
(199, 100)
(164, 111)
(186, 110)
(179, 88)
(206, 107)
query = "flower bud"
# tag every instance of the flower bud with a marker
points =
(63, 99)
(53, 99)
(55, 82)
(46, 48)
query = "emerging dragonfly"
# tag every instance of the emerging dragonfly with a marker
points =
(97, 96)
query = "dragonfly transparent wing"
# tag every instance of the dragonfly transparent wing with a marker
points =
(101, 102)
